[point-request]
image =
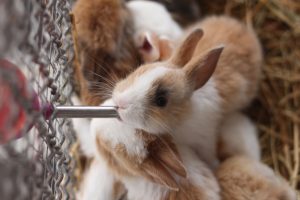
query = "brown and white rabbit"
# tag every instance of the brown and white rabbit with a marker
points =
(150, 165)
(106, 49)
(160, 97)
(185, 96)
(243, 178)
(155, 34)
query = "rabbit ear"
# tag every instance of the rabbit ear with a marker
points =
(165, 48)
(162, 157)
(201, 68)
(185, 51)
(166, 153)
(148, 45)
(159, 174)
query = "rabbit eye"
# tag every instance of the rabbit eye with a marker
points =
(161, 99)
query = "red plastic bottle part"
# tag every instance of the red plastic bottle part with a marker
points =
(17, 102)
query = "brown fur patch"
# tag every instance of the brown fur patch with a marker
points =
(200, 69)
(105, 47)
(105, 149)
(165, 48)
(118, 190)
(186, 191)
(162, 153)
(222, 151)
(240, 62)
(162, 156)
(242, 178)
(164, 150)
(184, 52)
(189, 190)
(178, 96)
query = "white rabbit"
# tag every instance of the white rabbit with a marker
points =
(156, 33)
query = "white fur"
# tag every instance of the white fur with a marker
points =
(154, 17)
(239, 136)
(140, 88)
(98, 182)
(140, 188)
(135, 98)
(82, 130)
(199, 129)
(152, 55)
(116, 132)
(197, 173)
(93, 185)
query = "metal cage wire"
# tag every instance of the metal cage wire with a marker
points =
(35, 35)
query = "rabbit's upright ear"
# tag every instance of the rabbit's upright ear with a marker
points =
(185, 51)
(148, 45)
(201, 67)
(166, 48)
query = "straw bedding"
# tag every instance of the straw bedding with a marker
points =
(277, 108)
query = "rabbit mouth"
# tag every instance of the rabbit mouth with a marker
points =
(119, 118)
(119, 115)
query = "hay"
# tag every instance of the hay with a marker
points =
(277, 109)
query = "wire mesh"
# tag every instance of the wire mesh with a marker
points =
(35, 35)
